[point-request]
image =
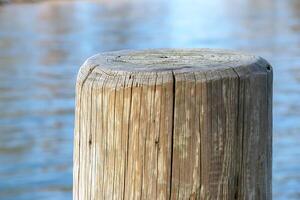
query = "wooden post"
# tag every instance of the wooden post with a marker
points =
(173, 124)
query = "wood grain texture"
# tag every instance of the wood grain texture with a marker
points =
(173, 124)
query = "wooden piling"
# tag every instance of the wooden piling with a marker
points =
(173, 124)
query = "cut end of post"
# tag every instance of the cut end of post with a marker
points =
(166, 60)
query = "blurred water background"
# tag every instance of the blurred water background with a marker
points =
(42, 45)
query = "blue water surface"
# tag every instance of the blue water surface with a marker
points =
(43, 44)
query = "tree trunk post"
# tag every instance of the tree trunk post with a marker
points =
(173, 124)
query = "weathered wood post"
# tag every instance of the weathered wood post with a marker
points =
(173, 124)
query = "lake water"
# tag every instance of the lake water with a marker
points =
(43, 44)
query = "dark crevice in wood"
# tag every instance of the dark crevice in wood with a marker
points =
(157, 136)
(172, 137)
(106, 136)
(145, 138)
(139, 124)
(198, 112)
(154, 109)
(163, 57)
(242, 122)
(238, 177)
(128, 131)
(102, 124)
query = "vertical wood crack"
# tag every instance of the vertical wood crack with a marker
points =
(173, 126)
(129, 115)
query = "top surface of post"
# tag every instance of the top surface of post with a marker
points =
(142, 65)
(166, 60)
